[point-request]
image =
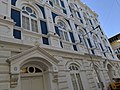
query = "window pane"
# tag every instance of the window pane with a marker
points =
(74, 82)
(25, 23)
(61, 35)
(34, 25)
(79, 81)
(66, 36)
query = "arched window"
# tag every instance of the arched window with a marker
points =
(75, 77)
(29, 19)
(63, 30)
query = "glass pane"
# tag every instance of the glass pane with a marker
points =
(25, 12)
(25, 23)
(34, 25)
(61, 35)
(66, 36)
(29, 9)
(79, 81)
(33, 15)
(74, 82)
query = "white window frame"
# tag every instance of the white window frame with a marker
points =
(76, 81)
(63, 32)
(30, 21)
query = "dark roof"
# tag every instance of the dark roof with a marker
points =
(114, 38)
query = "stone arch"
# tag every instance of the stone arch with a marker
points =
(20, 3)
(57, 18)
(75, 63)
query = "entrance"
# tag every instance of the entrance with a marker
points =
(32, 83)
(32, 78)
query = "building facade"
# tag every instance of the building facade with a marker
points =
(115, 43)
(53, 45)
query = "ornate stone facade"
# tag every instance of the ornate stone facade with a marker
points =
(53, 45)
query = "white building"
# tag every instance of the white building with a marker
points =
(53, 45)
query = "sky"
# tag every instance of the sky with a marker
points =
(109, 14)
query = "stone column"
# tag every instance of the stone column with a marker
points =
(53, 37)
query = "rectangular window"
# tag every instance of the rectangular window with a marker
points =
(13, 2)
(45, 40)
(43, 27)
(74, 47)
(15, 15)
(72, 37)
(17, 34)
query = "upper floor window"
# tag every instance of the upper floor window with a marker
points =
(29, 19)
(75, 77)
(56, 2)
(63, 30)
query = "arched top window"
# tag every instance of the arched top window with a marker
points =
(29, 11)
(29, 19)
(61, 25)
(63, 30)
(75, 77)
(31, 69)
(73, 67)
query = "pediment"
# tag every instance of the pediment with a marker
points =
(35, 51)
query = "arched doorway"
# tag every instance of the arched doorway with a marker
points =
(32, 76)
(110, 71)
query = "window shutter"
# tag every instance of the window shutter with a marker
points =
(45, 40)
(74, 47)
(51, 3)
(89, 42)
(57, 30)
(13, 2)
(17, 34)
(53, 16)
(43, 27)
(42, 9)
(15, 15)
(72, 37)
(62, 4)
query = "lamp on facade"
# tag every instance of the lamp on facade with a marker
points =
(101, 83)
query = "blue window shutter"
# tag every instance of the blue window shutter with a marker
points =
(101, 47)
(62, 4)
(13, 2)
(81, 21)
(76, 26)
(80, 38)
(51, 3)
(15, 15)
(17, 34)
(61, 44)
(45, 40)
(72, 37)
(43, 27)
(64, 11)
(89, 42)
(53, 16)
(57, 30)
(70, 9)
(74, 47)
(42, 9)
(68, 23)
(92, 51)
(79, 14)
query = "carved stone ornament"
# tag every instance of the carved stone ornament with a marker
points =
(13, 80)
